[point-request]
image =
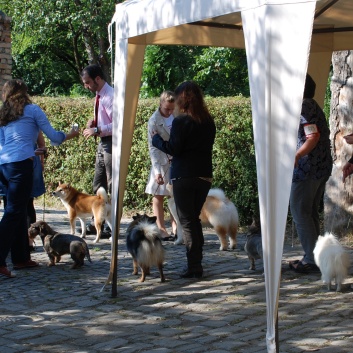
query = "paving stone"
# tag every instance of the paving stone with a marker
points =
(58, 310)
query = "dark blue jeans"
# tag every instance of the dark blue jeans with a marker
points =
(190, 195)
(18, 179)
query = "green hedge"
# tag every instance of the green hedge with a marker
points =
(234, 156)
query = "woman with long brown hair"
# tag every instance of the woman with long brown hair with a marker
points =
(191, 141)
(20, 123)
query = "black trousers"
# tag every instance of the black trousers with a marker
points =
(190, 195)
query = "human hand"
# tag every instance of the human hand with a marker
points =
(347, 170)
(159, 179)
(88, 132)
(41, 152)
(154, 132)
(349, 138)
(74, 131)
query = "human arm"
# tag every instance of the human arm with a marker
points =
(178, 134)
(104, 125)
(347, 169)
(307, 147)
(56, 137)
(41, 149)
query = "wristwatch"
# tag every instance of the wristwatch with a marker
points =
(96, 131)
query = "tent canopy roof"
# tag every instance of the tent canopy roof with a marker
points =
(203, 23)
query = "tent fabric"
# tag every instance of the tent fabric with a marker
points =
(277, 36)
(277, 63)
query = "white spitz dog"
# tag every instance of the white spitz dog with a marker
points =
(218, 212)
(332, 260)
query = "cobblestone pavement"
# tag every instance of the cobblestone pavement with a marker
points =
(57, 309)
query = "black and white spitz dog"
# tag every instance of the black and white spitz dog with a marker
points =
(144, 245)
(332, 260)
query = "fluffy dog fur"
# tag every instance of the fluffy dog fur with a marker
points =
(332, 260)
(81, 206)
(144, 245)
(57, 244)
(253, 248)
(217, 212)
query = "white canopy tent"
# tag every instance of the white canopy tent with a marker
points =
(278, 36)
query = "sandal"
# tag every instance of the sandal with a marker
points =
(305, 268)
(292, 263)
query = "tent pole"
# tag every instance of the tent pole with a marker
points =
(276, 333)
(114, 264)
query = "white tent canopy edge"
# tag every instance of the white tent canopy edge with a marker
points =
(277, 51)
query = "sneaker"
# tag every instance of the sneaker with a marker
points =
(27, 264)
(6, 273)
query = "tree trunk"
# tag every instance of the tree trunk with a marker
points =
(338, 198)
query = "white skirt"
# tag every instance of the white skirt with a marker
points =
(155, 189)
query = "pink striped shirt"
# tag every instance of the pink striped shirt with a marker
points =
(105, 110)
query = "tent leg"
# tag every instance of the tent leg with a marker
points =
(276, 333)
(113, 274)
(113, 271)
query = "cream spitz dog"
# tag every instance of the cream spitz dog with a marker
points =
(332, 260)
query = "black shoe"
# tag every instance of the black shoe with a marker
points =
(105, 234)
(190, 274)
(91, 229)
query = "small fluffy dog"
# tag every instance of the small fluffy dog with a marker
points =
(332, 260)
(57, 244)
(144, 245)
(253, 248)
(80, 205)
(217, 212)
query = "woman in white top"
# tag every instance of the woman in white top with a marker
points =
(161, 122)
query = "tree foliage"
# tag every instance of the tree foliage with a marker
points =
(52, 41)
(218, 71)
(165, 66)
(222, 72)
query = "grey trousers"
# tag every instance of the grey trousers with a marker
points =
(305, 200)
(103, 166)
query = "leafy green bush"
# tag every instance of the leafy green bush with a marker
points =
(234, 155)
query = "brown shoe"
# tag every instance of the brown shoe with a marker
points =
(27, 264)
(6, 273)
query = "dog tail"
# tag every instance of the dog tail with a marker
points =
(217, 193)
(102, 193)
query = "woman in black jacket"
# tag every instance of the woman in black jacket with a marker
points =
(191, 141)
